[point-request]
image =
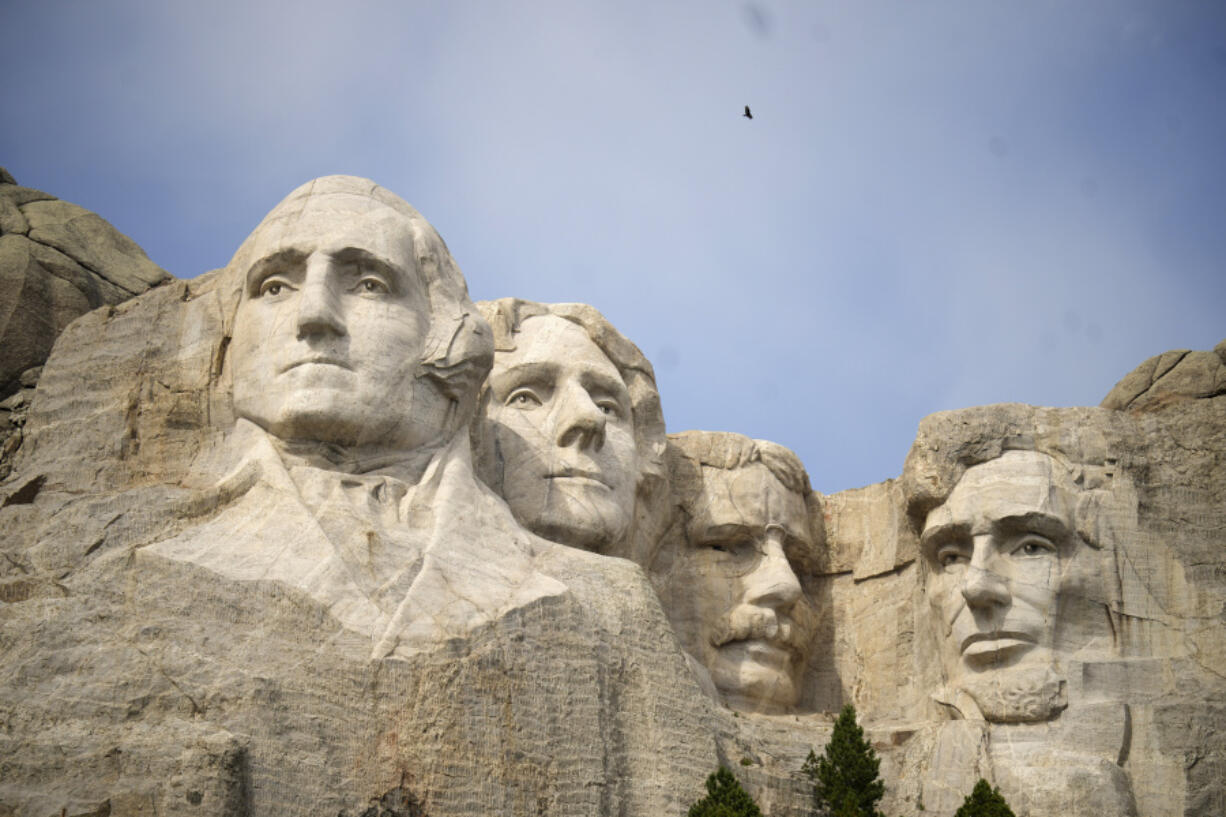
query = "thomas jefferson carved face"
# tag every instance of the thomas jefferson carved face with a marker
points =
(330, 326)
(995, 554)
(733, 590)
(561, 425)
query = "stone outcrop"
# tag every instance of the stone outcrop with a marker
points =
(214, 602)
(57, 262)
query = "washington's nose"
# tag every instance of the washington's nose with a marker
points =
(319, 309)
(772, 583)
(982, 586)
(579, 420)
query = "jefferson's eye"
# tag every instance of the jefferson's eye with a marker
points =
(373, 286)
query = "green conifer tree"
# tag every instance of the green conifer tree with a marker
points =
(845, 781)
(725, 798)
(984, 801)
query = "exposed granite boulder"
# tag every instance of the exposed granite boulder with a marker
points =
(57, 261)
(1170, 377)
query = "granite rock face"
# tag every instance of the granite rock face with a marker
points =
(315, 535)
(57, 262)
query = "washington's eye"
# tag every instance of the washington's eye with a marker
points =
(1034, 546)
(272, 287)
(523, 399)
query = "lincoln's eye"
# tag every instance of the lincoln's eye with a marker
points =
(273, 289)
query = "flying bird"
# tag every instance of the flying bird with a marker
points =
(747, 114)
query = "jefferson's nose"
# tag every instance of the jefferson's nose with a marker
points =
(982, 586)
(772, 583)
(579, 420)
(319, 308)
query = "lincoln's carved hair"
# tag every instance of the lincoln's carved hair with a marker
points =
(506, 315)
(458, 349)
(935, 465)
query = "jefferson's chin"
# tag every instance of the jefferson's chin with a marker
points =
(580, 513)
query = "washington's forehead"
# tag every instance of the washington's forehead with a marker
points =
(551, 338)
(333, 221)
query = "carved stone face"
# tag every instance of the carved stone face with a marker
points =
(733, 592)
(330, 327)
(560, 421)
(994, 553)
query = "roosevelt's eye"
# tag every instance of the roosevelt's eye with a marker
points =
(523, 399)
(1034, 545)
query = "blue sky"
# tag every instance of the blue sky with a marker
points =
(937, 204)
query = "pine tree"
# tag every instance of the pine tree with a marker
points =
(984, 801)
(845, 781)
(725, 798)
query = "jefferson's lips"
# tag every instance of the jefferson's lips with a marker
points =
(578, 474)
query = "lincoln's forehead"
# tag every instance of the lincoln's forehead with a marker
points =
(1015, 484)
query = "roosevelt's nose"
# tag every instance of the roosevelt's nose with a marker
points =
(579, 421)
(982, 586)
(319, 307)
(772, 582)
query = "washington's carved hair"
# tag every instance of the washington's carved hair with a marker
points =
(458, 349)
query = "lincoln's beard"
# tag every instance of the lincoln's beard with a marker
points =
(1018, 694)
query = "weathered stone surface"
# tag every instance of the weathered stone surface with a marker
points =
(246, 568)
(57, 261)
(1169, 378)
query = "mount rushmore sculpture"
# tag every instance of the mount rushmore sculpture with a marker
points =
(316, 534)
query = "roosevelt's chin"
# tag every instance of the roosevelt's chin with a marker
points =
(756, 676)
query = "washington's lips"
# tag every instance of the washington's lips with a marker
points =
(325, 360)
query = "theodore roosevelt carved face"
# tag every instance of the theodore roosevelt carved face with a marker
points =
(732, 587)
(996, 552)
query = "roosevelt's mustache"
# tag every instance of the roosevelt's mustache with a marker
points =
(757, 624)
